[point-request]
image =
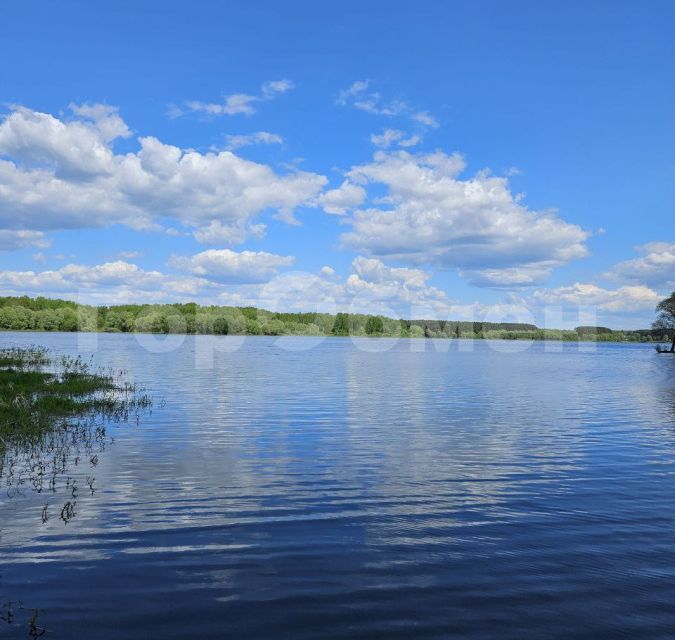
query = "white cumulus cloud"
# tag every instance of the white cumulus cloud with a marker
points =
(345, 197)
(655, 267)
(65, 174)
(431, 215)
(628, 298)
(226, 266)
(71, 150)
(371, 287)
(107, 283)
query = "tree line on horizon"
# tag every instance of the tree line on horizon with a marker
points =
(46, 314)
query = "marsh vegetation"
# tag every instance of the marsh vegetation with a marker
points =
(54, 414)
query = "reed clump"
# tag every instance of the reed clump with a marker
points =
(53, 417)
(39, 391)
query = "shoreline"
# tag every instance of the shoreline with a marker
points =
(330, 336)
(48, 315)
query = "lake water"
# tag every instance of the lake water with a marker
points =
(300, 488)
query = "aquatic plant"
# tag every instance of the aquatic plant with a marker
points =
(54, 413)
(38, 391)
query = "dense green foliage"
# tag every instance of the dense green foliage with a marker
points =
(374, 326)
(43, 314)
(665, 320)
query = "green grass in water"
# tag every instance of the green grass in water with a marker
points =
(37, 390)
(53, 417)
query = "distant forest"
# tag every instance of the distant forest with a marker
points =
(45, 314)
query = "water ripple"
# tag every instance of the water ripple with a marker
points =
(420, 491)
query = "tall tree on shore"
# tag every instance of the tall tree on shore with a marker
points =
(374, 325)
(666, 317)
(341, 325)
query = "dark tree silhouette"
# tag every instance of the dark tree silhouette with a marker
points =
(666, 318)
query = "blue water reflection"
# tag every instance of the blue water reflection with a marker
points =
(413, 490)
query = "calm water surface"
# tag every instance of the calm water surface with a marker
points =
(404, 489)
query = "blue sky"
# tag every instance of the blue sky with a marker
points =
(482, 160)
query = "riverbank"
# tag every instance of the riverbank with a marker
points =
(43, 314)
(553, 335)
